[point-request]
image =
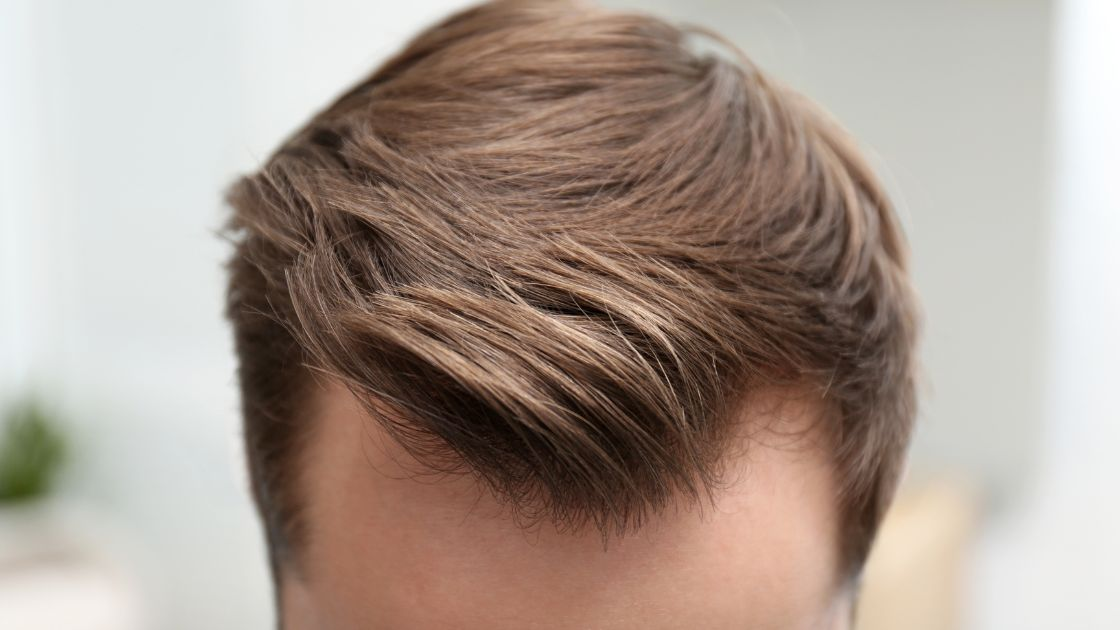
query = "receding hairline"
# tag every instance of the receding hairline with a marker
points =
(787, 420)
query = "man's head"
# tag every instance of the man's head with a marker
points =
(556, 322)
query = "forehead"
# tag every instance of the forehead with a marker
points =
(392, 547)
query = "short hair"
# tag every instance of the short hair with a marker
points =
(561, 244)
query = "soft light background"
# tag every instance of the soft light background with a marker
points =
(995, 122)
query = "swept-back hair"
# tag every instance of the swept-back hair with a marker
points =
(562, 246)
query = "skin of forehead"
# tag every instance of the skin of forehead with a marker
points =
(390, 547)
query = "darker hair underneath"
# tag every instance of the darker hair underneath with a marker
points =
(561, 245)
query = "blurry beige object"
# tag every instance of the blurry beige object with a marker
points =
(914, 578)
(54, 574)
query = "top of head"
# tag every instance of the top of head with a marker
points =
(561, 246)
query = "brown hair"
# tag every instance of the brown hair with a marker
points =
(563, 245)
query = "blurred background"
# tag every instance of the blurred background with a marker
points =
(996, 123)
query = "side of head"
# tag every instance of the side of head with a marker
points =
(565, 284)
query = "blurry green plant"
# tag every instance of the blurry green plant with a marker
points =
(32, 450)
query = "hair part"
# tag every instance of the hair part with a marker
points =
(561, 245)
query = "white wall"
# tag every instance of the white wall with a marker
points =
(20, 164)
(122, 122)
(1052, 563)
